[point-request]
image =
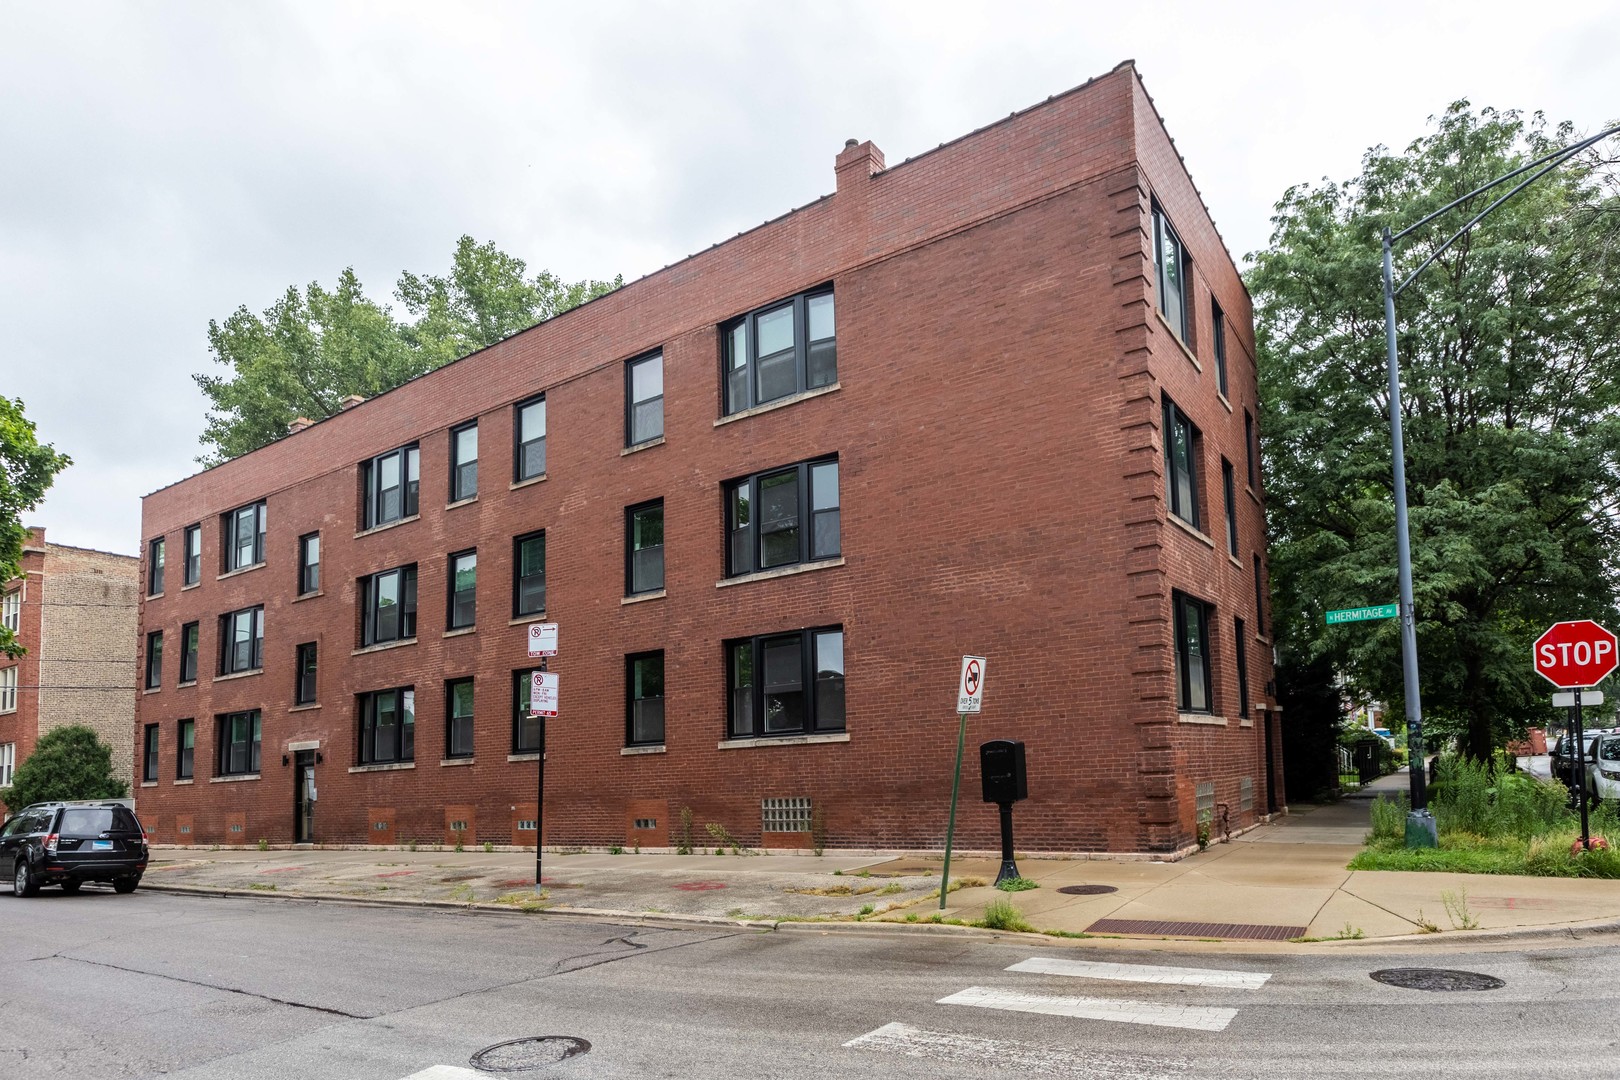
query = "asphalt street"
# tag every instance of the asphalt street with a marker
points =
(150, 984)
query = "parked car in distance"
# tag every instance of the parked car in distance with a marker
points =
(1603, 770)
(70, 843)
(1563, 765)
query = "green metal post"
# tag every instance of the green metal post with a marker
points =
(950, 830)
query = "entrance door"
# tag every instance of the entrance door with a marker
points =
(304, 797)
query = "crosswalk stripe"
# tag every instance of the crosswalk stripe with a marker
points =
(447, 1072)
(1146, 973)
(1197, 1017)
(1026, 1058)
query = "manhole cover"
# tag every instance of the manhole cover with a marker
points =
(537, 1051)
(1087, 890)
(1441, 979)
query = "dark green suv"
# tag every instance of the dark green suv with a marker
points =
(70, 843)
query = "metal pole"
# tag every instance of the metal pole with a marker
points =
(1009, 866)
(1420, 829)
(1580, 770)
(950, 830)
(540, 796)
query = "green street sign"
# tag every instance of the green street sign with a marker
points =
(1363, 614)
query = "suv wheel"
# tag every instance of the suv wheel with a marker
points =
(126, 884)
(23, 884)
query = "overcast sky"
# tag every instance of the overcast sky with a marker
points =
(163, 163)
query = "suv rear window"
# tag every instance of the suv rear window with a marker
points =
(95, 820)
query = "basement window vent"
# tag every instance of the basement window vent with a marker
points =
(236, 828)
(1206, 801)
(646, 823)
(380, 826)
(526, 825)
(458, 826)
(785, 815)
(1246, 793)
(184, 829)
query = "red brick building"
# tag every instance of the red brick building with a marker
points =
(997, 399)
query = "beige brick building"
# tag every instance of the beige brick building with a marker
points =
(75, 610)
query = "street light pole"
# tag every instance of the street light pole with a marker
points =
(1420, 828)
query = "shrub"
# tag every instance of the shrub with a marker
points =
(1003, 914)
(67, 763)
(1527, 807)
(1389, 817)
(1462, 798)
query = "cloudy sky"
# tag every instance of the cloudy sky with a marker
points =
(163, 163)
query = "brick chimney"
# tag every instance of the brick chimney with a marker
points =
(298, 425)
(350, 402)
(857, 163)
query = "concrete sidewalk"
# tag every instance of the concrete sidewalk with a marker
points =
(1279, 881)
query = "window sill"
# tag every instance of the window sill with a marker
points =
(233, 779)
(514, 485)
(637, 751)
(640, 446)
(149, 783)
(1234, 560)
(782, 740)
(523, 620)
(154, 596)
(1262, 639)
(185, 685)
(460, 631)
(305, 708)
(1191, 530)
(390, 766)
(239, 675)
(385, 526)
(1175, 337)
(1246, 721)
(308, 596)
(779, 403)
(530, 756)
(151, 690)
(1201, 718)
(240, 570)
(449, 761)
(1257, 500)
(642, 597)
(780, 572)
(468, 501)
(384, 647)
(188, 588)
(182, 783)
(1224, 400)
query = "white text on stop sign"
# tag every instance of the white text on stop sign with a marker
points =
(1580, 653)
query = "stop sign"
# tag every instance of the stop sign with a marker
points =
(1575, 654)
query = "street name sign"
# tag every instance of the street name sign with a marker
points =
(1575, 654)
(970, 687)
(1363, 614)
(543, 693)
(543, 639)
(1567, 701)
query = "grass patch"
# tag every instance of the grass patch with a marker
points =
(263, 886)
(1003, 914)
(1468, 853)
(1017, 884)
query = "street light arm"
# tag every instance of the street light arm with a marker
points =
(1575, 148)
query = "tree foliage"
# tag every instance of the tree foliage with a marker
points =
(67, 763)
(312, 348)
(1510, 362)
(27, 469)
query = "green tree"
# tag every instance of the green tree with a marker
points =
(67, 763)
(27, 468)
(312, 348)
(1510, 361)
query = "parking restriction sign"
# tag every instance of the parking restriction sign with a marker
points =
(970, 688)
(543, 639)
(543, 693)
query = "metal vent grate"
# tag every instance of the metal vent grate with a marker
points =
(646, 823)
(458, 826)
(380, 826)
(1246, 793)
(185, 829)
(1206, 800)
(236, 828)
(785, 815)
(526, 825)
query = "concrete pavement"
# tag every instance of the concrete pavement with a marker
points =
(1279, 881)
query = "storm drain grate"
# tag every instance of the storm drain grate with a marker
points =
(1160, 928)
(535, 1052)
(1087, 890)
(1440, 980)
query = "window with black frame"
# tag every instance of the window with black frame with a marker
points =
(238, 742)
(390, 606)
(1259, 599)
(464, 462)
(193, 542)
(644, 699)
(244, 530)
(779, 350)
(307, 666)
(1242, 655)
(463, 599)
(529, 575)
(154, 659)
(241, 638)
(392, 484)
(525, 727)
(1180, 464)
(154, 567)
(190, 635)
(1172, 272)
(458, 718)
(1218, 336)
(529, 438)
(783, 517)
(786, 684)
(186, 749)
(644, 399)
(1194, 690)
(1229, 488)
(309, 563)
(388, 726)
(149, 755)
(1249, 449)
(644, 548)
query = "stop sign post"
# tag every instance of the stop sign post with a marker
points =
(1574, 655)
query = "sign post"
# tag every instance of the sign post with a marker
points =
(542, 703)
(1572, 656)
(969, 699)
